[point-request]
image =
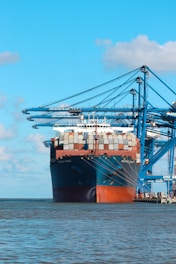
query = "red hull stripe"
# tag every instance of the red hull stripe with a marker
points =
(115, 194)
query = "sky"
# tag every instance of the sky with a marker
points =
(52, 48)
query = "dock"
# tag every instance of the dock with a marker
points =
(147, 200)
(161, 200)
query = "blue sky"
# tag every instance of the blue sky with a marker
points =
(52, 48)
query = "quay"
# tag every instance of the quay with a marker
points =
(165, 200)
(148, 200)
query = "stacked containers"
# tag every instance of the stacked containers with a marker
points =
(106, 141)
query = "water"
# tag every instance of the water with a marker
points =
(40, 231)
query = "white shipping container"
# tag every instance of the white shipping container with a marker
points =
(101, 146)
(56, 143)
(111, 146)
(133, 137)
(106, 141)
(66, 135)
(100, 136)
(116, 146)
(111, 141)
(70, 146)
(110, 136)
(75, 140)
(91, 146)
(129, 137)
(80, 136)
(65, 147)
(124, 136)
(120, 141)
(129, 143)
(91, 136)
(90, 141)
(119, 136)
(61, 136)
(125, 142)
(125, 147)
(138, 155)
(101, 141)
(116, 140)
(133, 143)
(70, 140)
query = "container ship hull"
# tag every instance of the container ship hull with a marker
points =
(98, 179)
(94, 163)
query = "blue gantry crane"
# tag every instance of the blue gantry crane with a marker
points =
(138, 99)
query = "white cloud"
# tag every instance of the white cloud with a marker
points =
(22, 164)
(19, 164)
(18, 101)
(8, 57)
(17, 114)
(6, 133)
(141, 51)
(5, 154)
(37, 140)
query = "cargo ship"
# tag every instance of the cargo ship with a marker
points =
(94, 162)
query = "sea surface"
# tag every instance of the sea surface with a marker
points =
(41, 231)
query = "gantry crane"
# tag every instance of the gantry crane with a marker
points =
(145, 108)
